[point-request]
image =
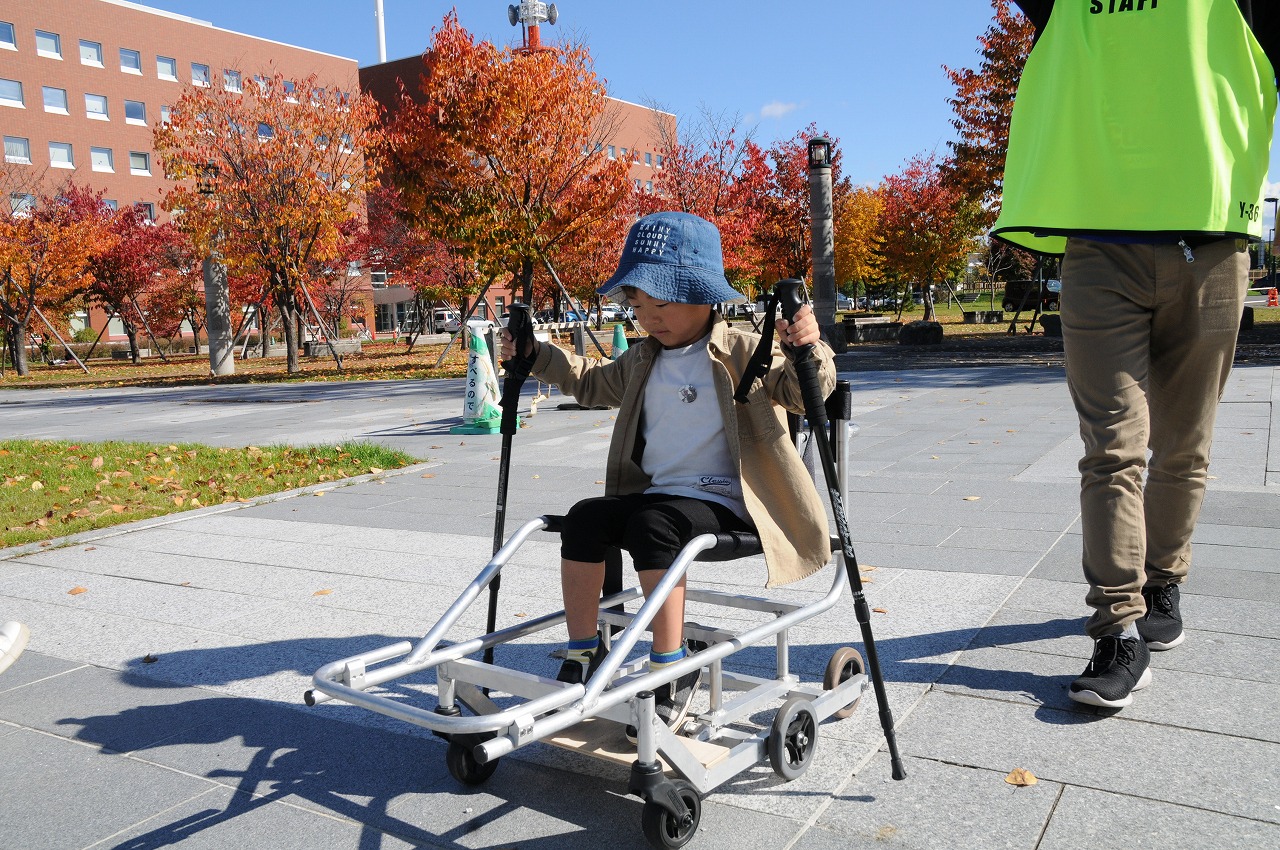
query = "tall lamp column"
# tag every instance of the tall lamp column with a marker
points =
(217, 296)
(822, 242)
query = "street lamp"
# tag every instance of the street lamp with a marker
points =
(217, 295)
(1271, 249)
(822, 245)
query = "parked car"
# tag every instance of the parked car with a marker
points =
(440, 320)
(843, 302)
(1021, 295)
(474, 324)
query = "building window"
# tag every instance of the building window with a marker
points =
(289, 89)
(55, 100)
(265, 132)
(95, 106)
(231, 80)
(111, 204)
(22, 204)
(10, 93)
(7, 39)
(90, 53)
(101, 159)
(199, 74)
(147, 209)
(130, 61)
(624, 153)
(648, 185)
(135, 112)
(613, 152)
(167, 68)
(17, 150)
(660, 158)
(648, 159)
(140, 163)
(166, 114)
(61, 155)
(48, 44)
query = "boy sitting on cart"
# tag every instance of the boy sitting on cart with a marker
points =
(685, 459)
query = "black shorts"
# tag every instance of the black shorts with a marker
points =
(653, 527)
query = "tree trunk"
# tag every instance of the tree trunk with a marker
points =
(19, 334)
(288, 323)
(135, 356)
(264, 324)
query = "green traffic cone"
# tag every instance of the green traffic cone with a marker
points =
(619, 341)
(480, 411)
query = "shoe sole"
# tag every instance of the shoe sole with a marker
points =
(1093, 698)
(19, 644)
(1161, 646)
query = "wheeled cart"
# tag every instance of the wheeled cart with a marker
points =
(671, 771)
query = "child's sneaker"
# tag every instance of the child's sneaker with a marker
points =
(13, 639)
(576, 672)
(1120, 666)
(1161, 628)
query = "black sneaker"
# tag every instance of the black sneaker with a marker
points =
(671, 701)
(579, 672)
(1161, 628)
(1119, 666)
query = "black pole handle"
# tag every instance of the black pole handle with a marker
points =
(520, 326)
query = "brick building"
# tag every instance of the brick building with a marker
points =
(83, 82)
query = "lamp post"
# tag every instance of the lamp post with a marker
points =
(1271, 248)
(822, 243)
(217, 295)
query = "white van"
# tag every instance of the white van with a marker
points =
(441, 320)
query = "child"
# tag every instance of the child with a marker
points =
(685, 459)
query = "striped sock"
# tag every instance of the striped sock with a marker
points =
(658, 660)
(583, 650)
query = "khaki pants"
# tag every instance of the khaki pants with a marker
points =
(1149, 340)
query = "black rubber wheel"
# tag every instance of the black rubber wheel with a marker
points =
(1052, 307)
(793, 738)
(1008, 306)
(464, 767)
(844, 665)
(662, 829)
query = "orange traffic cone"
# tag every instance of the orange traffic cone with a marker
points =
(1272, 299)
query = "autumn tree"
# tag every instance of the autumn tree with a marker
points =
(704, 172)
(269, 175)
(502, 153)
(45, 254)
(857, 238)
(128, 276)
(177, 297)
(926, 225)
(983, 105)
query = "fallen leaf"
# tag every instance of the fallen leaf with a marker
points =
(36, 485)
(972, 498)
(149, 659)
(118, 509)
(173, 448)
(178, 500)
(537, 476)
(97, 463)
(880, 610)
(373, 470)
(322, 593)
(318, 493)
(1021, 776)
(77, 590)
(64, 489)
(90, 548)
(428, 475)
(933, 457)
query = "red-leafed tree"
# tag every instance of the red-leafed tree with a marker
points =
(504, 159)
(269, 175)
(46, 248)
(926, 225)
(983, 105)
(127, 277)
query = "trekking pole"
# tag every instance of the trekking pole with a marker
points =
(520, 324)
(789, 298)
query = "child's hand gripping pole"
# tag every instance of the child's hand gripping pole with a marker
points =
(790, 296)
(520, 325)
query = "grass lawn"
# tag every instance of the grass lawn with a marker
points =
(54, 488)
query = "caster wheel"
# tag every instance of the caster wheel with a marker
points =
(464, 767)
(844, 665)
(662, 829)
(1052, 306)
(793, 738)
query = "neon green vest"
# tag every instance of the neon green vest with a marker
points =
(1139, 117)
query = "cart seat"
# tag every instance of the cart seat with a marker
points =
(730, 545)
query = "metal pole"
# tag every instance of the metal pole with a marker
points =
(217, 318)
(822, 245)
(382, 31)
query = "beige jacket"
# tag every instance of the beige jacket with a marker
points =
(779, 493)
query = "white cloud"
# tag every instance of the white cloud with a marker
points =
(776, 109)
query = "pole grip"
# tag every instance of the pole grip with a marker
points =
(520, 326)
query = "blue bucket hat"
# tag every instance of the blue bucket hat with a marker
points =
(673, 256)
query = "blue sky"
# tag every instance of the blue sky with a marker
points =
(868, 72)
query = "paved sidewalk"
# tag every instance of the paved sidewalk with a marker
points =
(163, 704)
